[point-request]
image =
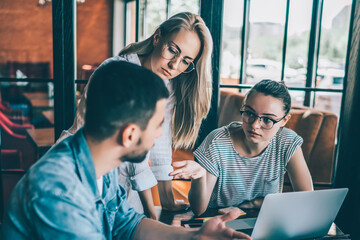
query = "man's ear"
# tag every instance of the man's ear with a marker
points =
(286, 119)
(156, 38)
(129, 135)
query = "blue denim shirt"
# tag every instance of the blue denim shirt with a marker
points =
(58, 198)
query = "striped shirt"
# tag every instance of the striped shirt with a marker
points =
(243, 178)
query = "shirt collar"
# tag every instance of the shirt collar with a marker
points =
(84, 161)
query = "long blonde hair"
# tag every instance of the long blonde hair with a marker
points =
(192, 91)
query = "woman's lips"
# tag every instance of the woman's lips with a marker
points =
(254, 134)
(166, 72)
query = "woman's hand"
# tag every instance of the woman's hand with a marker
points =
(187, 169)
(253, 204)
(215, 228)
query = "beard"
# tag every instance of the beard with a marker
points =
(138, 158)
(135, 158)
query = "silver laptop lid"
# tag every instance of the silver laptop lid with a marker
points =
(298, 215)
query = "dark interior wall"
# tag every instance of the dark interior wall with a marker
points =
(26, 32)
(348, 174)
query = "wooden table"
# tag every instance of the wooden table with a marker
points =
(39, 102)
(49, 115)
(39, 99)
(42, 103)
(42, 138)
(36, 95)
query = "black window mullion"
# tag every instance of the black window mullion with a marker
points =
(64, 50)
(244, 41)
(137, 21)
(313, 49)
(317, 53)
(125, 22)
(285, 40)
(212, 13)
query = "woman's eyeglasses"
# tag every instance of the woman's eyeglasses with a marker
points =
(170, 53)
(265, 122)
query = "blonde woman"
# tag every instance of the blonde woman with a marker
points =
(179, 52)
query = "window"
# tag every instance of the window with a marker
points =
(183, 6)
(26, 86)
(231, 42)
(332, 53)
(26, 61)
(266, 32)
(152, 13)
(297, 47)
(276, 36)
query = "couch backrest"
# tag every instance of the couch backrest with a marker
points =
(317, 128)
(229, 107)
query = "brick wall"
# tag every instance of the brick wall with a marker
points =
(26, 32)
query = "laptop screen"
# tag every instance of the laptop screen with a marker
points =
(295, 215)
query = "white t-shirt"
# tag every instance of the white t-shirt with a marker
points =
(100, 183)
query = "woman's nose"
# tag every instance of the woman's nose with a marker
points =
(256, 123)
(174, 63)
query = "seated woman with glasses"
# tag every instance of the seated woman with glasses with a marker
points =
(238, 164)
(179, 52)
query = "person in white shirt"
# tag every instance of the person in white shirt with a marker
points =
(179, 52)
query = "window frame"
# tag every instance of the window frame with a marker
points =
(313, 53)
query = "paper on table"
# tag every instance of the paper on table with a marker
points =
(229, 209)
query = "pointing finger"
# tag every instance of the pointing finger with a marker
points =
(178, 164)
(233, 214)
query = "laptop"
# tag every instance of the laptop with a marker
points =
(293, 215)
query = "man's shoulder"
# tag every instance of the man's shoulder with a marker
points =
(55, 172)
(132, 58)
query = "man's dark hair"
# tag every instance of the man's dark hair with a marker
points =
(121, 93)
(274, 89)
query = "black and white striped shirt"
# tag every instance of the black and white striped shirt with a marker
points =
(242, 178)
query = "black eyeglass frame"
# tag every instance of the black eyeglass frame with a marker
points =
(167, 45)
(262, 119)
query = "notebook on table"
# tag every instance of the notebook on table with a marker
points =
(293, 215)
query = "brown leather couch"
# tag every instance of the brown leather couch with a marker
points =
(316, 127)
